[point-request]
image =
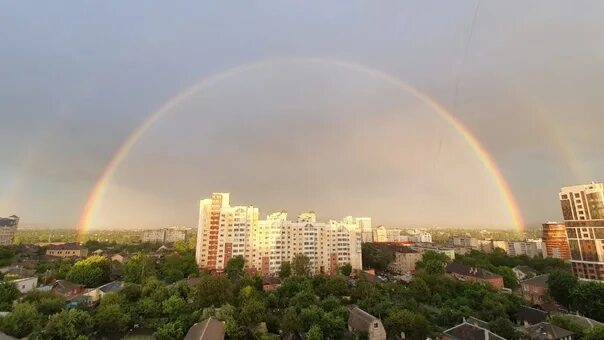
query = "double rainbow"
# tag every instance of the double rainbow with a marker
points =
(100, 187)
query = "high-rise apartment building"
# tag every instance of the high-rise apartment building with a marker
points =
(165, 235)
(8, 227)
(366, 228)
(555, 241)
(583, 211)
(226, 232)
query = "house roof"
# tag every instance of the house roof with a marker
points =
(531, 315)
(360, 320)
(546, 331)
(462, 269)
(525, 269)
(65, 286)
(477, 322)
(583, 321)
(271, 280)
(114, 286)
(467, 331)
(65, 246)
(209, 329)
(540, 281)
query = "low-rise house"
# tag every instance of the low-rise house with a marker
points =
(469, 331)
(96, 294)
(26, 285)
(404, 260)
(530, 316)
(64, 288)
(18, 271)
(474, 274)
(270, 283)
(209, 329)
(534, 289)
(524, 272)
(361, 322)
(546, 331)
(118, 258)
(66, 250)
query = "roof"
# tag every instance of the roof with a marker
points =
(65, 246)
(525, 269)
(271, 280)
(65, 286)
(25, 279)
(477, 322)
(462, 269)
(360, 320)
(546, 331)
(114, 286)
(540, 280)
(209, 329)
(467, 331)
(583, 321)
(531, 315)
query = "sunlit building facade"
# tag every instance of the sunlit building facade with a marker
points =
(226, 232)
(583, 211)
(380, 234)
(366, 228)
(8, 227)
(555, 241)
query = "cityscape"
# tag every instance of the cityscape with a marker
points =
(400, 170)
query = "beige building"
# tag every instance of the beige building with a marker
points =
(165, 235)
(404, 261)
(67, 250)
(380, 234)
(8, 227)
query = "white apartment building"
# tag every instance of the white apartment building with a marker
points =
(380, 234)
(8, 227)
(364, 224)
(226, 232)
(165, 235)
(528, 248)
(422, 237)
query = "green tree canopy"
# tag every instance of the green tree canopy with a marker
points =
(596, 333)
(346, 269)
(561, 285)
(91, 272)
(235, 267)
(301, 265)
(23, 320)
(138, 268)
(587, 299)
(8, 294)
(285, 270)
(376, 256)
(213, 291)
(68, 325)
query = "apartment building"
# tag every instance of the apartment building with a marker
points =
(555, 241)
(165, 235)
(583, 211)
(380, 234)
(366, 229)
(226, 232)
(529, 248)
(8, 227)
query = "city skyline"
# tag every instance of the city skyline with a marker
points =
(415, 114)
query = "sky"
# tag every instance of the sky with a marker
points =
(298, 130)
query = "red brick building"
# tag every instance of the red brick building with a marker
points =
(474, 274)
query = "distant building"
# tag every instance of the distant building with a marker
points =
(524, 272)
(528, 248)
(503, 245)
(8, 227)
(165, 235)
(424, 247)
(463, 241)
(64, 288)
(366, 229)
(422, 237)
(534, 289)
(394, 235)
(583, 211)
(361, 322)
(67, 250)
(380, 234)
(26, 285)
(474, 274)
(94, 295)
(555, 241)
(209, 329)
(470, 331)
(405, 260)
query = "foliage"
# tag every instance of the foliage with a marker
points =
(234, 268)
(346, 269)
(111, 319)
(138, 268)
(301, 265)
(213, 291)
(596, 333)
(504, 327)
(432, 263)
(91, 272)
(177, 267)
(414, 325)
(509, 277)
(8, 294)
(170, 331)
(376, 256)
(561, 284)
(587, 299)
(23, 320)
(314, 333)
(285, 270)
(565, 322)
(69, 325)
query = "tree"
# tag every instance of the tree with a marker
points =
(301, 265)
(286, 270)
(346, 269)
(413, 324)
(234, 268)
(503, 327)
(131, 292)
(587, 299)
(8, 294)
(331, 285)
(596, 333)
(170, 331)
(289, 321)
(509, 277)
(213, 291)
(565, 322)
(561, 285)
(23, 320)
(314, 333)
(251, 308)
(433, 263)
(111, 319)
(91, 272)
(376, 256)
(68, 325)
(138, 268)
(174, 306)
(177, 267)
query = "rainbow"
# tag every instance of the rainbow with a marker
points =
(99, 188)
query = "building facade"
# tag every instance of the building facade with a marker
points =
(528, 248)
(366, 229)
(8, 227)
(380, 234)
(165, 235)
(404, 261)
(583, 211)
(226, 232)
(555, 241)
(67, 250)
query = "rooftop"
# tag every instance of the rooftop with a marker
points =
(66, 246)
(467, 331)
(360, 320)
(531, 315)
(209, 329)
(540, 280)
(546, 331)
(462, 269)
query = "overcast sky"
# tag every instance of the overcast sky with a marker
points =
(76, 78)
